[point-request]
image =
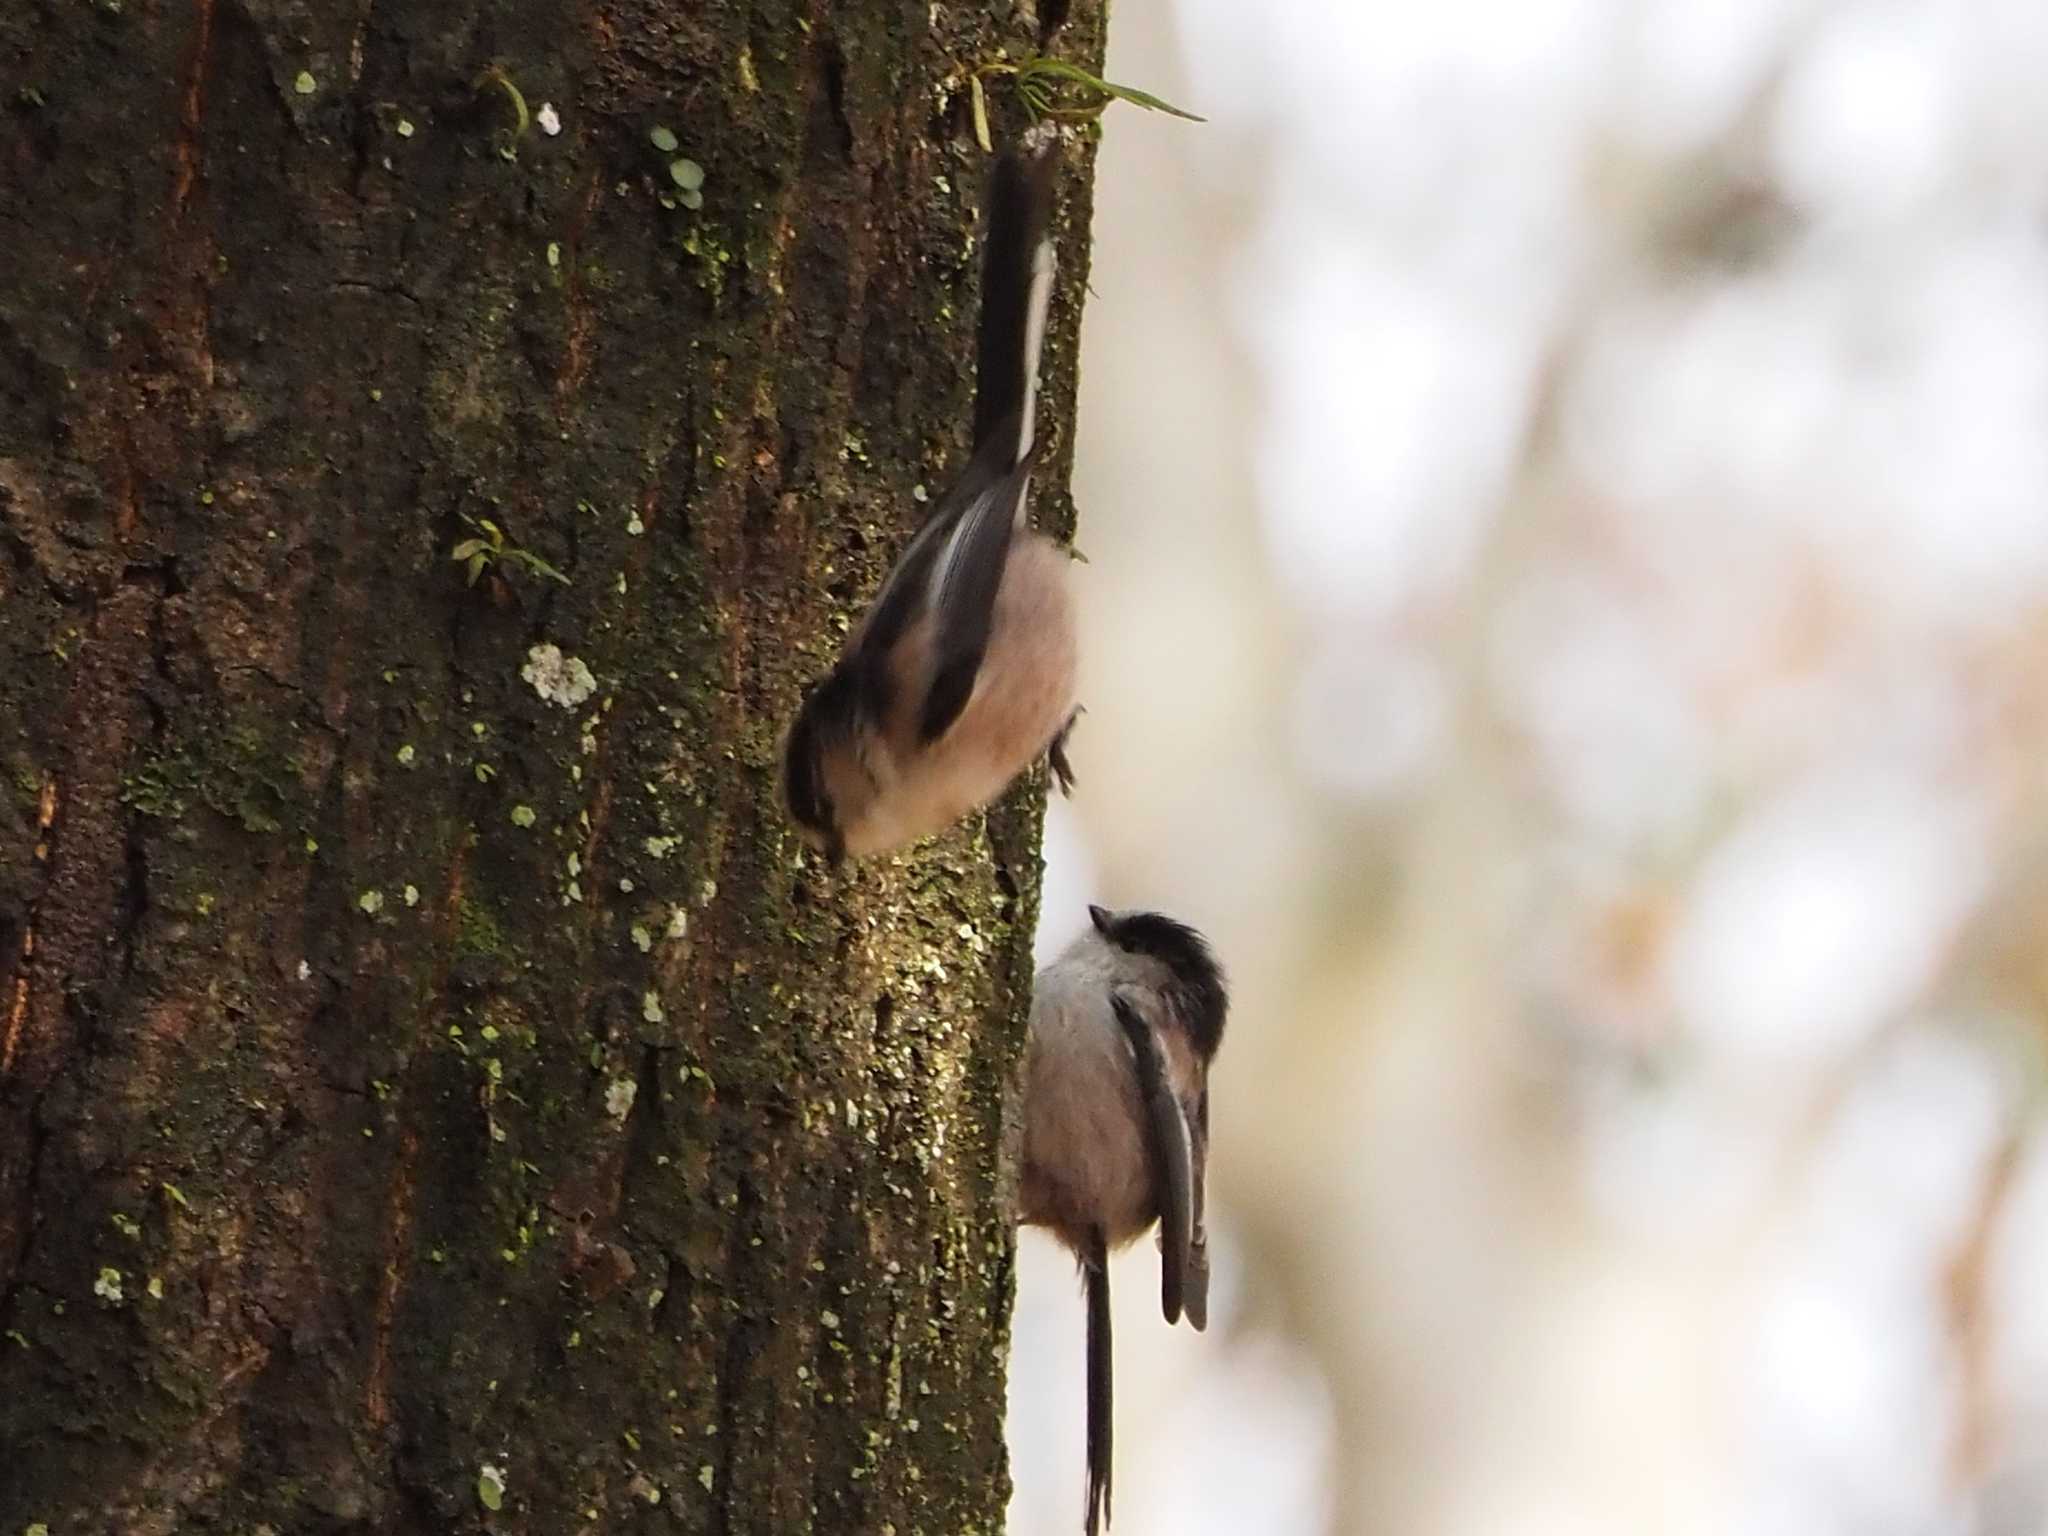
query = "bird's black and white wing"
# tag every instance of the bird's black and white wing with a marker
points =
(1166, 1130)
(964, 582)
(1196, 1297)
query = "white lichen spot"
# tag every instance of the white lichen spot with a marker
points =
(919, 494)
(659, 847)
(305, 971)
(549, 119)
(412, 895)
(305, 84)
(707, 893)
(589, 744)
(372, 902)
(618, 1097)
(830, 1320)
(406, 755)
(405, 129)
(575, 864)
(573, 892)
(634, 526)
(155, 1287)
(650, 1007)
(523, 816)
(705, 1475)
(108, 1286)
(626, 884)
(554, 253)
(678, 923)
(558, 679)
(642, 939)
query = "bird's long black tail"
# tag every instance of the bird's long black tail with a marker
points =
(1095, 1277)
(1016, 287)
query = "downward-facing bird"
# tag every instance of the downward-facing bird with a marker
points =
(962, 672)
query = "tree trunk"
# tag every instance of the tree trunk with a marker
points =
(434, 1096)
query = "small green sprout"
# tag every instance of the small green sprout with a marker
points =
(1053, 88)
(490, 547)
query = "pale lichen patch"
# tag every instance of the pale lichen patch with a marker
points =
(561, 680)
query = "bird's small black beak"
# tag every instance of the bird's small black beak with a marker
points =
(1099, 916)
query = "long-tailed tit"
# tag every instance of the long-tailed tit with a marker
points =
(1124, 1025)
(963, 670)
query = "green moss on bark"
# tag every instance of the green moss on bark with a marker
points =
(616, 1146)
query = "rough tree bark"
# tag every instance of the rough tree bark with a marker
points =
(405, 1074)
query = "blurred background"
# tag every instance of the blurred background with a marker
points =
(1566, 489)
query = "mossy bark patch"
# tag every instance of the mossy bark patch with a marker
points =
(435, 1091)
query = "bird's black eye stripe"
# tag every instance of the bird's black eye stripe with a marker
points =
(829, 718)
(809, 805)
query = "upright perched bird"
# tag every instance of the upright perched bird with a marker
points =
(963, 670)
(1124, 1025)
